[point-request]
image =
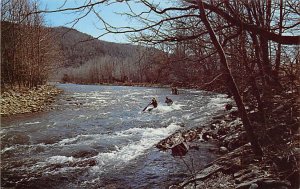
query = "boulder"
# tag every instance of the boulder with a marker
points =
(180, 149)
(235, 140)
(223, 150)
(223, 130)
(206, 136)
(264, 183)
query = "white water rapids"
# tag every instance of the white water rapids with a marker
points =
(98, 136)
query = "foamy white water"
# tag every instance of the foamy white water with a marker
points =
(100, 133)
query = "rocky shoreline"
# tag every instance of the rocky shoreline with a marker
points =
(236, 167)
(28, 100)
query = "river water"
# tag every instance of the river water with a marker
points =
(98, 137)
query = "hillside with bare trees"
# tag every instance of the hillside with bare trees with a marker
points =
(89, 60)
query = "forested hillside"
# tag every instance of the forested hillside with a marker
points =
(89, 60)
(76, 53)
(79, 47)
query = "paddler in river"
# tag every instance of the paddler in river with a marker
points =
(153, 103)
(169, 101)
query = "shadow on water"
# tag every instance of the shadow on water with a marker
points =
(97, 136)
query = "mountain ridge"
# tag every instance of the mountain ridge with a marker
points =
(86, 59)
(79, 47)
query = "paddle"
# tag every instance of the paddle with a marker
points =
(146, 107)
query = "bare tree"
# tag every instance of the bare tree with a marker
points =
(205, 30)
(28, 50)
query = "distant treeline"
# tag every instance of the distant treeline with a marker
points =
(88, 60)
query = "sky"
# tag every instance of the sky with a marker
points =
(90, 24)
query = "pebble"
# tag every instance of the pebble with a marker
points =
(26, 101)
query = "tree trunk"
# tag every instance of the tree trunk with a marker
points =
(258, 59)
(278, 52)
(252, 81)
(265, 59)
(231, 83)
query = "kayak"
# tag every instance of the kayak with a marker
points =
(150, 109)
(169, 103)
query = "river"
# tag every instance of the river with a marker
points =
(98, 137)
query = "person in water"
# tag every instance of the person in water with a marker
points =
(153, 103)
(175, 91)
(169, 101)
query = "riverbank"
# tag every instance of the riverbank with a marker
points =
(236, 165)
(18, 101)
(97, 141)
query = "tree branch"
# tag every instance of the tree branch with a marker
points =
(286, 40)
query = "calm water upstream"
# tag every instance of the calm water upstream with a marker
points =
(97, 137)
